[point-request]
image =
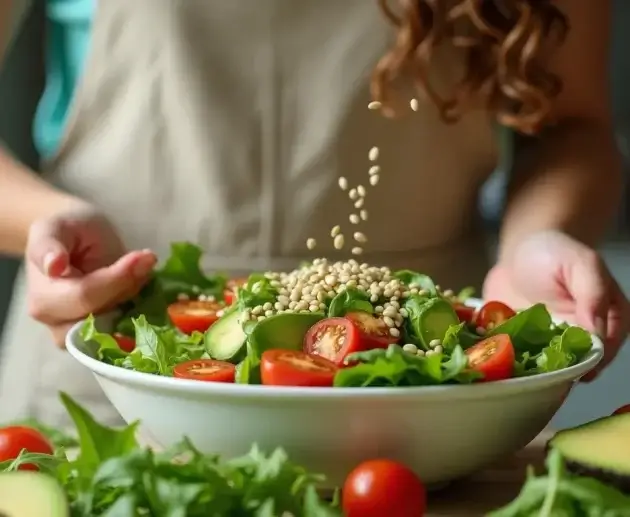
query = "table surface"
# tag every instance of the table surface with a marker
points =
(491, 488)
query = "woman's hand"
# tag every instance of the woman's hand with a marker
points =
(76, 265)
(571, 279)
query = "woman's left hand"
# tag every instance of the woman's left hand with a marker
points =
(571, 279)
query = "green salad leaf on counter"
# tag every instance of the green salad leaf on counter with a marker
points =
(113, 476)
(562, 494)
(377, 327)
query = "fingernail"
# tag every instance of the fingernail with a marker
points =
(600, 327)
(49, 258)
(143, 267)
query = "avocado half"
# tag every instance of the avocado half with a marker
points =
(599, 449)
(31, 494)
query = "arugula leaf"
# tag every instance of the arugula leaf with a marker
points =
(47, 463)
(560, 494)
(465, 294)
(419, 280)
(350, 300)
(151, 302)
(159, 349)
(108, 350)
(395, 367)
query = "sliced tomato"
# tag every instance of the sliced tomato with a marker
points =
(126, 343)
(374, 332)
(14, 439)
(493, 314)
(383, 488)
(296, 368)
(231, 290)
(493, 357)
(205, 370)
(333, 339)
(191, 316)
(622, 410)
(464, 313)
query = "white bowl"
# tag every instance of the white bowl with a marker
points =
(442, 432)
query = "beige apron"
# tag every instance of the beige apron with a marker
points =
(228, 123)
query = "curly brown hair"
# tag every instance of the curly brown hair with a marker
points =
(505, 45)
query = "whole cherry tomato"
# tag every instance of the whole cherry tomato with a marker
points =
(383, 488)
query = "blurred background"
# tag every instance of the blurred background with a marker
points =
(20, 88)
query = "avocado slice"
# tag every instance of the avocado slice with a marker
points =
(31, 494)
(430, 319)
(225, 340)
(285, 331)
(598, 449)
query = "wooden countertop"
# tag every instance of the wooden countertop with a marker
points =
(491, 488)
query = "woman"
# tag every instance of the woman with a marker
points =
(228, 123)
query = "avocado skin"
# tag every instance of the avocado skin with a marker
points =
(614, 479)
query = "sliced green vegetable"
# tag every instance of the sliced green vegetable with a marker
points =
(429, 319)
(225, 340)
(350, 300)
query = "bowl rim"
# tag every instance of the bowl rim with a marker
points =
(186, 387)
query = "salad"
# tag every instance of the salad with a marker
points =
(111, 475)
(341, 324)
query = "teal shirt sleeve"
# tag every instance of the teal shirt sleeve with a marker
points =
(69, 27)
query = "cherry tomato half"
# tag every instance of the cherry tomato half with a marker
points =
(493, 357)
(295, 368)
(380, 488)
(231, 290)
(374, 332)
(464, 313)
(333, 339)
(191, 316)
(126, 343)
(622, 410)
(205, 370)
(14, 439)
(493, 314)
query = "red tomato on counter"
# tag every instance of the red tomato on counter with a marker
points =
(15, 438)
(383, 488)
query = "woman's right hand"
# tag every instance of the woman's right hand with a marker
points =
(76, 265)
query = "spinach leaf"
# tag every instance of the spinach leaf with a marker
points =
(530, 330)
(418, 280)
(394, 367)
(350, 300)
(563, 351)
